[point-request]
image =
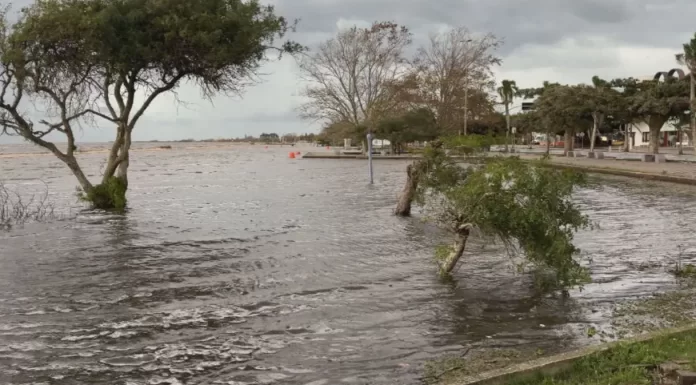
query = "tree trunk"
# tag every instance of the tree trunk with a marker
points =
(72, 164)
(114, 155)
(627, 138)
(692, 115)
(654, 147)
(680, 135)
(122, 172)
(507, 126)
(596, 120)
(566, 142)
(403, 207)
(457, 251)
(548, 142)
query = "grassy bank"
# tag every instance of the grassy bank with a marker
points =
(624, 364)
(627, 364)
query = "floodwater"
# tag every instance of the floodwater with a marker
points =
(237, 265)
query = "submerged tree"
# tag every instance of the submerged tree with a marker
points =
(526, 207)
(436, 168)
(129, 53)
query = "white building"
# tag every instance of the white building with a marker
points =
(640, 135)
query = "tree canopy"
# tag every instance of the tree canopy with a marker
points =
(655, 102)
(94, 59)
(528, 208)
(413, 126)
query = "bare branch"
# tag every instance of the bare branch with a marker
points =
(349, 74)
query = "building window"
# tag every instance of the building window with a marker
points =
(646, 137)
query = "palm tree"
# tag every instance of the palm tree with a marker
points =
(598, 114)
(688, 58)
(507, 92)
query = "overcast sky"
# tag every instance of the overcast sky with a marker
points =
(566, 41)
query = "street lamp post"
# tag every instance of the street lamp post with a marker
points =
(369, 155)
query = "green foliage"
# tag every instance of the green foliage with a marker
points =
(685, 271)
(512, 200)
(507, 91)
(655, 101)
(414, 125)
(442, 252)
(334, 133)
(628, 363)
(437, 172)
(110, 195)
(563, 107)
(471, 144)
(527, 122)
(214, 42)
(526, 206)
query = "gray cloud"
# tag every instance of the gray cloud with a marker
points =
(558, 40)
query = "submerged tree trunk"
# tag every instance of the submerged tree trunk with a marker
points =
(403, 208)
(122, 172)
(111, 192)
(457, 251)
(72, 164)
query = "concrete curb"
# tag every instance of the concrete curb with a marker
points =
(551, 163)
(619, 172)
(554, 364)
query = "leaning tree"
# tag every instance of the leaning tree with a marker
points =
(108, 61)
(526, 207)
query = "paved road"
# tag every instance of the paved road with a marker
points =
(674, 169)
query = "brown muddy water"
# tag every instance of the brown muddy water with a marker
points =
(237, 265)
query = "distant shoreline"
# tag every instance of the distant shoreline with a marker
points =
(155, 146)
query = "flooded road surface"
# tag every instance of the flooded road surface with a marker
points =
(237, 265)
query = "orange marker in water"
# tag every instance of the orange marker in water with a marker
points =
(291, 155)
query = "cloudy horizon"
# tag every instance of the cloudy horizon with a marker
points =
(565, 41)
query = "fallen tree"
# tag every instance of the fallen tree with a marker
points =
(526, 207)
